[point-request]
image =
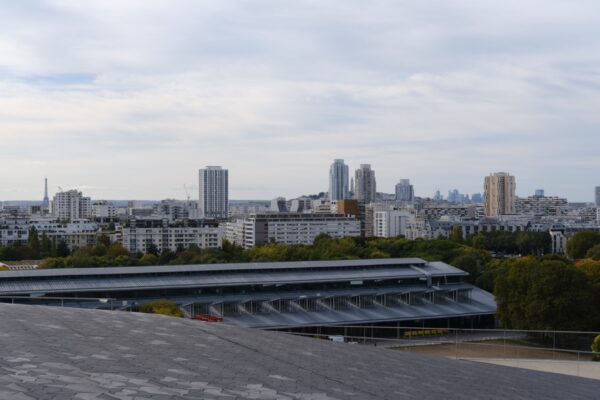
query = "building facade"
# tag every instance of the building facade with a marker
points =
(365, 184)
(500, 198)
(141, 234)
(338, 180)
(71, 205)
(541, 205)
(405, 192)
(214, 192)
(289, 228)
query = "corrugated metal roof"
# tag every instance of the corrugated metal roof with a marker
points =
(213, 267)
(60, 284)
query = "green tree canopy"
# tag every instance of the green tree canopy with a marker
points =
(581, 243)
(549, 294)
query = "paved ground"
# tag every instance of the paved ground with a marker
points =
(585, 369)
(55, 353)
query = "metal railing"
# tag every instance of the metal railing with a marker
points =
(79, 302)
(566, 352)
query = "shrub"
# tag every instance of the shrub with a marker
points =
(163, 307)
(596, 348)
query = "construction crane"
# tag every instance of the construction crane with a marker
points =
(187, 192)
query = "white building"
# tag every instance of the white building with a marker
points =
(71, 205)
(365, 184)
(214, 192)
(290, 228)
(391, 223)
(103, 209)
(138, 237)
(338, 180)
(76, 234)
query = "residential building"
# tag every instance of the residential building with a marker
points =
(541, 205)
(71, 205)
(140, 234)
(391, 223)
(597, 196)
(301, 204)
(76, 233)
(435, 211)
(214, 192)
(105, 210)
(278, 204)
(365, 186)
(338, 180)
(500, 195)
(291, 228)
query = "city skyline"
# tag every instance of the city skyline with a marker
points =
(443, 95)
(194, 188)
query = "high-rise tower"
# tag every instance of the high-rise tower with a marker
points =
(214, 192)
(366, 186)
(338, 180)
(500, 198)
(405, 192)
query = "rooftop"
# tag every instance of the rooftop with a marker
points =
(58, 353)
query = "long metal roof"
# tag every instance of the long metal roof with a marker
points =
(55, 272)
(198, 278)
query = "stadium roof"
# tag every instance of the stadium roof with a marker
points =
(63, 280)
(288, 265)
(58, 353)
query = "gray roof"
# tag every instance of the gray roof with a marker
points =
(113, 279)
(214, 267)
(57, 353)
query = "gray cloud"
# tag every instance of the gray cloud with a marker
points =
(132, 98)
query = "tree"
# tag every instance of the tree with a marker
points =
(594, 253)
(148, 259)
(33, 242)
(152, 249)
(456, 235)
(596, 348)
(62, 249)
(581, 243)
(116, 249)
(104, 239)
(547, 294)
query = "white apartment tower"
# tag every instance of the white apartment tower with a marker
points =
(405, 192)
(338, 180)
(500, 198)
(214, 192)
(365, 184)
(71, 205)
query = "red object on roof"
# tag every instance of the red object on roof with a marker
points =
(208, 318)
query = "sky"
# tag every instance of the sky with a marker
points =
(128, 99)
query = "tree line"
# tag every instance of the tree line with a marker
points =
(534, 291)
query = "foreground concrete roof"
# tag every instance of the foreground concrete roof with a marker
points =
(59, 353)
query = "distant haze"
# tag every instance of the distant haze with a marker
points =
(128, 99)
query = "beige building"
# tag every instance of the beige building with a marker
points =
(500, 195)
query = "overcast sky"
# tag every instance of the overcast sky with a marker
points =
(127, 99)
